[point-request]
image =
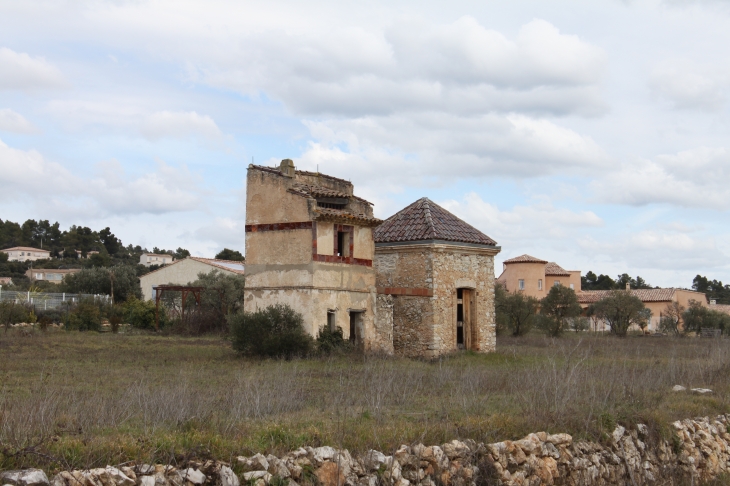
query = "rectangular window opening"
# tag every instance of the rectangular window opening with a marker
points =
(331, 320)
(557, 282)
(539, 284)
(521, 284)
(343, 244)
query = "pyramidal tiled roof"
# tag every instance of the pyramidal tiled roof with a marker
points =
(525, 259)
(554, 269)
(426, 220)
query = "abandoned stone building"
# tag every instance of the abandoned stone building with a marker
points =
(309, 244)
(420, 283)
(439, 271)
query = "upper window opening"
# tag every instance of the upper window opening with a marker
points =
(521, 284)
(539, 284)
(343, 243)
(327, 205)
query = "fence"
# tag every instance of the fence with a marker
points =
(47, 300)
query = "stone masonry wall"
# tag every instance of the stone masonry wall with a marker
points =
(698, 451)
(453, 269)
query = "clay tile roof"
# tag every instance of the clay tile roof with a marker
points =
(316, 191)
(525, 259)
(426, 220)
(721, 308)
(25, 248)
(645, 295)
(344, 216)
(553, 269)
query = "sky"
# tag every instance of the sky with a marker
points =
(594, 134)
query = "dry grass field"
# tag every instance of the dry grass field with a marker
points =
(70, 399)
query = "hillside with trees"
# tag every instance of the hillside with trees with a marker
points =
(70, 249)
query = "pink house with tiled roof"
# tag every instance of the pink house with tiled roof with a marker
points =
(534, 276)
(309, 244)
(436, 272)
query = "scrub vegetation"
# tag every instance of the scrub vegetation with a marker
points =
(77, 399)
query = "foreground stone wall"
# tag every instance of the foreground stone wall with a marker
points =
(699, 450)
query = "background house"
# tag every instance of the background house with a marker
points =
(182, 272)
(53, 275)
(656, 300)
(149, 259)
(534, 276)
(25, 253)
(6, 281)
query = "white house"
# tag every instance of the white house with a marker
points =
(149, 259)
(185, 271)
(25, 253)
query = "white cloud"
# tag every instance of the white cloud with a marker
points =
(179, 125)
(690, 87)
(11, 121)
(692, 178)
(129, 116)
(414, 65)
(165, 190)
(438, 148)
(522, 221)
(27, 175)
(658, 249)
(20, 71)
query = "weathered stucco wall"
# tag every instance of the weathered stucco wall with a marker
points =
(281, 267)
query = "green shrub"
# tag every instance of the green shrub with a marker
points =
(141, 313)
(276, 331)
(85, 316)
(12, 313)
(331, 341)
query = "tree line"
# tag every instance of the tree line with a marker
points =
(620, 310)
(108, 251)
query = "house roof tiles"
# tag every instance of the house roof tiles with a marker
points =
(525, 259)
(344, 216)
(24, 248)
(645, 295)
(555, 270)
(426, 220)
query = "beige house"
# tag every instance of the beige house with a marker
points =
(6, 281)
(309, 244)
(182, 272)
(149, 259)
(25, 253)
(656, 300)
(534, 276)
(53, 275)
(439, 273)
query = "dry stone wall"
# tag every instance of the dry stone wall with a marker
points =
(699, 450)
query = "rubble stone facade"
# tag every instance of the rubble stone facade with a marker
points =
(440, 274)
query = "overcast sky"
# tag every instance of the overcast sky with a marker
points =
(595, 134)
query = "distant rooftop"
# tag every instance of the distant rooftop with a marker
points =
(525, 259)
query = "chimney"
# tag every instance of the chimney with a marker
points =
(628, 286)
(287, 167)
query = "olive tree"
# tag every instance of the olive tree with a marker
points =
(515, 311)
(621, 309)
(557, 309)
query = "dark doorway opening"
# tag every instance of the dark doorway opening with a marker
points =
(356, 323)
(465, 313)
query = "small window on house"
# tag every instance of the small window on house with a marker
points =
(539, 284)
(572, 286)
(343, 244)
(556, 283)
(521, 284)
(331, 320)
